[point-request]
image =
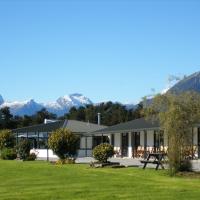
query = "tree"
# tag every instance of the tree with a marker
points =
(7, 139)
(43, 114)
(6, 121)
(177, 115)
(64, 143)
(27, 121)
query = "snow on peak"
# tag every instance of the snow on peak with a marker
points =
(21, 108)
(59, 107)
(71, 100)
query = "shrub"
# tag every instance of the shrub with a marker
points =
(102, 152)
(64, 143)
(23, 149)
(8, 154)
(185, 166)
(7, 139)
(31, 157)
(65, 161)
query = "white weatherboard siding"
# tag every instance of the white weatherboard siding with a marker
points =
(150, 138)
(117, 142)
(142, 138)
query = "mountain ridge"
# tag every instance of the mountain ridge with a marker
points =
(61, 106)
(188, 83)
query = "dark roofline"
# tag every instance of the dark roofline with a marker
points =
(41, 127)
(131, 126)
(74, 125)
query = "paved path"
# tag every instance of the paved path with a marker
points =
(130, 162)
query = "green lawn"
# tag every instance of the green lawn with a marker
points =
(40, 180)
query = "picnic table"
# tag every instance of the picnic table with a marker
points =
(157, 160)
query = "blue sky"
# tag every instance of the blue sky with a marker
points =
(107, 50)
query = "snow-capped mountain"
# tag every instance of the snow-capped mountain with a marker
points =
(63, 104)
(189, 83)
(59, 107)
(76, 100)
(29, 107)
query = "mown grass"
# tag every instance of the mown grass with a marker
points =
(44, 181)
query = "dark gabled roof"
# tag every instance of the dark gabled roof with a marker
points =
(134, 125)
(83, 127)
(49, 127)
(73, 125)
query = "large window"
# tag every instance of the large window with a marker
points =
(97, 140)
(135, 140)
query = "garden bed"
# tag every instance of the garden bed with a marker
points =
(103, 165)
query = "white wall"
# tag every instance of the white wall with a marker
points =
(42, 153)
(150, 138)
(142, 138)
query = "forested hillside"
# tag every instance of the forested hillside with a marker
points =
(111, 114)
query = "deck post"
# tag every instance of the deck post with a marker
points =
(47, 148)
(17, 138)
(38, 141)
(192, 143)
(86, 146)
(145, 144)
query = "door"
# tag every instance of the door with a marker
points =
(124, 145)
(135, 141)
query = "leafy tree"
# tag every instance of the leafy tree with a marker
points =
(64, 143)
(43, 114)
(177, 115)
(111, 113)
(6, 121)
(27, 121)
(7, 139)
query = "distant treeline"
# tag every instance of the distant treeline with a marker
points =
(111, 114)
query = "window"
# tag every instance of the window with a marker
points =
(97, 140)
(112, 139)
(135, 141)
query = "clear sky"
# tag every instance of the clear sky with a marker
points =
(107, 50)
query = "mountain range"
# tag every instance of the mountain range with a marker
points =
(63, 104)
